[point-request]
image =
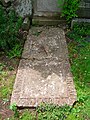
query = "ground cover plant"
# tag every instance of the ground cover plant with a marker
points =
(69, 9)
(8, 68)
(79, 52)
(10, 24)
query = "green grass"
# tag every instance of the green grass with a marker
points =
(79, 52)
(6, 81)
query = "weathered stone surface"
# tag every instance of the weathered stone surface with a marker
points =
(23, 7)
(79, 20)
(84, 9)
(26, 24)
(47, 5)
(44, 71)
(53, 21)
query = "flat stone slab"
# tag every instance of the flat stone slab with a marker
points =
(47, 6)
(44, 71)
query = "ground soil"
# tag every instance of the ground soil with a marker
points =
(5, 112)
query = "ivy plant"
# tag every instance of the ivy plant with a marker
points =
(69, 8)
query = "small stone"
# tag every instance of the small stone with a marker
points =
(6, 3)
(26, 24)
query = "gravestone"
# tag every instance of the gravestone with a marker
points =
(43, 74)
(45, 7)
(84, 9)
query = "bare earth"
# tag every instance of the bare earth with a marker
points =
(44, 70)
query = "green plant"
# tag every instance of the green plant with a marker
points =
(52, 112)
(4, 91)
(27, 115)
(69, 8)
(6, 81)
(14, 108)
(15, 52)
(79, 53)
(9, 29)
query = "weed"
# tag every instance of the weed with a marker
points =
(27, 116)
(6, 81)
(15, 52)
(69, 8)
(5, 101)
(52, 112)
(11, 68)
(79, 53)
(14, 108)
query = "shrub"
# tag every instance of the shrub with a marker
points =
(70, 8)
(9, 27)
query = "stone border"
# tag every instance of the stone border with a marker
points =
(79, 20)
